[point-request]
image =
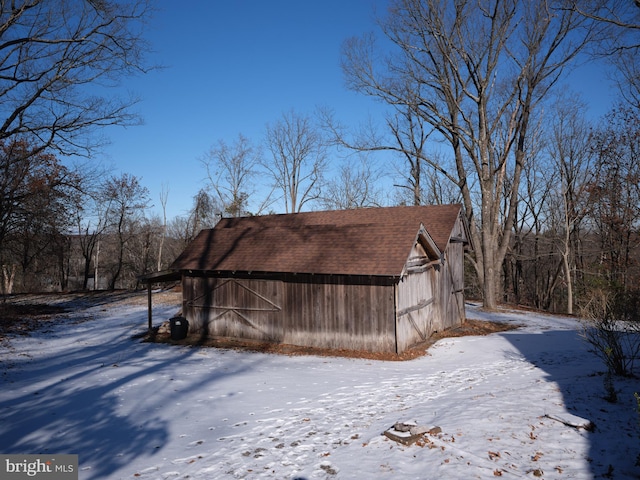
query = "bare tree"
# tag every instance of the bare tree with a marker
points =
(569, 150)
(204, 214)
(231, 171)
(406, 134)
(35, 194)
(476, 72)
(142, 248)
(49, 53)
(179, 234)
(622, 48)
(127, 199)
(411, 134)
(89, 225)
(525, 264)
(437, 189)
(614, 197)
(164, 196)
(355, 186)
(541, 264)
(298, 159)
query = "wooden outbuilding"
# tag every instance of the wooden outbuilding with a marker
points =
(374, 279)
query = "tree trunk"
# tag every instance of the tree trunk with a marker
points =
(8, 276)
(569, 280)
(489, 271)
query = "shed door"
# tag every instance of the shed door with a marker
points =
(240, 308)
(415, 308)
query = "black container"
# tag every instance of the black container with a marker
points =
(179, 328)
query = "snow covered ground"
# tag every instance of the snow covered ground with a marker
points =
(151, 411)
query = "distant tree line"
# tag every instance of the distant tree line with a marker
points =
(57, 60)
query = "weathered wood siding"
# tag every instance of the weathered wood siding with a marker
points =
(452, 292)
(227, 307)
(453, 284)
(417, 306)
(431, 298)
(377, 314)
(308, 310)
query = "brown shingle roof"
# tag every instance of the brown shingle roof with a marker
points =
(371, 241)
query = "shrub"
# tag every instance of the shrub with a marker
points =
(611, 325)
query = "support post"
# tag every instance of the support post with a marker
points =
(149, 306)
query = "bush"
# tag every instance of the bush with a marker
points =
(611, 325)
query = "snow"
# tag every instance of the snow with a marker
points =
(152, 411)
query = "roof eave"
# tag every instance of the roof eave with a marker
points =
(169, 275)
(274, 273)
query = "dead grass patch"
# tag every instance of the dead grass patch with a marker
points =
(470, 327)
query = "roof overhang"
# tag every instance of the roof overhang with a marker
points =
(433, 257)
(320, 276)
(429, 245)
(161, 276)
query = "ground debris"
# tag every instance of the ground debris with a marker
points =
(573, 421)
(21, 319)
(408, 433)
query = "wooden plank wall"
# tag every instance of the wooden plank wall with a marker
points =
(229, 308)
(300, 310)
(453, 295)
(329, 311)
(432, 300)
(418, 309)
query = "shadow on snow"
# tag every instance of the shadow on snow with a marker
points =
(42, 412)
(613, 443)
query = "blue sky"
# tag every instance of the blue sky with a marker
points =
(233, 66)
